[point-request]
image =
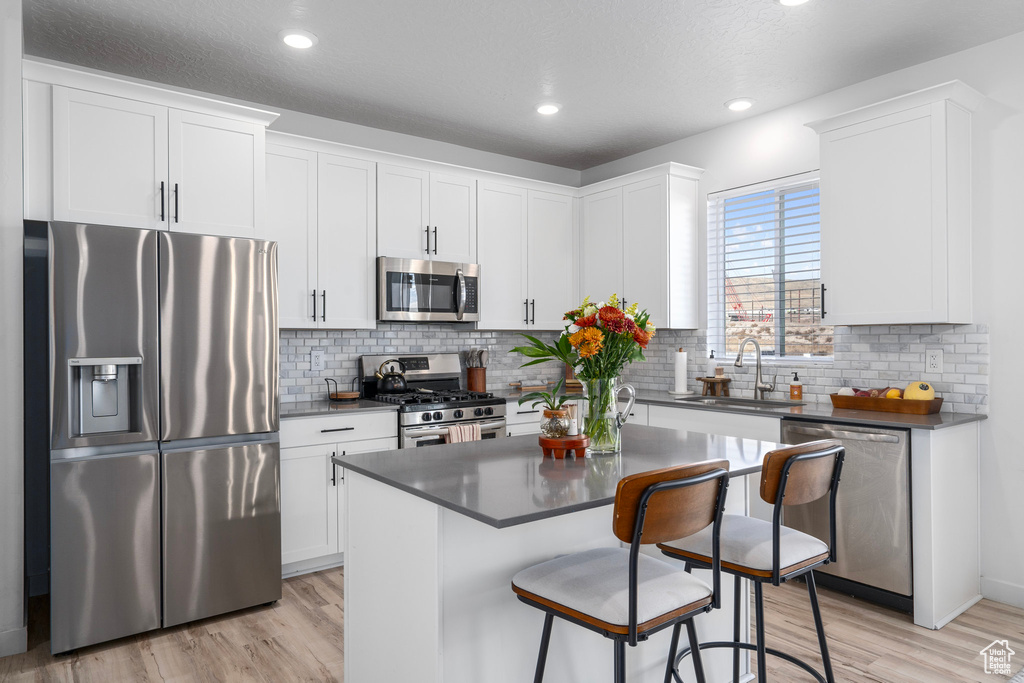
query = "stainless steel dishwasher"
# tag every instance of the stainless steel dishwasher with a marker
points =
(873, 524)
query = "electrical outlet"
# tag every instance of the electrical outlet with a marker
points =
(933, 361)
(316, 361)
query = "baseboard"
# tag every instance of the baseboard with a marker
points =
(958, 611)
(1003, 591)
(314, 565)
(13, 642)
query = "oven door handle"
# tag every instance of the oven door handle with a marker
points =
(462, 291)
(417, 432)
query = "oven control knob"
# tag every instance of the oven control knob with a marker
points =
(438, 415)
(457, 414)
(426, 417)
(478, 412)
(488, 411)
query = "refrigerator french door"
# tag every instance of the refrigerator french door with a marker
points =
(164, 462)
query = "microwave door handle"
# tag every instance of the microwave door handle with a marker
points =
(462, 293)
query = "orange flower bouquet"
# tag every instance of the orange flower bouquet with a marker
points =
(598, 342)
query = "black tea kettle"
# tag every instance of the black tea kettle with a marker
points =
(391, 382)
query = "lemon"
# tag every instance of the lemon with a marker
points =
(893, 393)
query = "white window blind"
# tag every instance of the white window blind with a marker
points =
(764, 277)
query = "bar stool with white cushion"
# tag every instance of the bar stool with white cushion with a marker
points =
(627, 596)
(769, 552)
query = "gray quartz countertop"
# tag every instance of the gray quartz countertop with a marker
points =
(507, 481)
(312, 408)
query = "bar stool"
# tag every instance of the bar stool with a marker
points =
(627, 596)
(769, 552)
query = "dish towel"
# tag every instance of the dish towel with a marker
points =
(465, 432)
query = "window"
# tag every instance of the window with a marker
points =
(764, 272)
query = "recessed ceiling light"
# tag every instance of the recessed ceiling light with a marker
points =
(547, 109)
(298, 38)
(791, 3)
(740, 104)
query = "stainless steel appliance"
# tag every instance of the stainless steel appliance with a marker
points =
(412, 290)
(434, 400)
(164, 461)
(873, 523)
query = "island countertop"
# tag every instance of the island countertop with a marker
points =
(505, 482)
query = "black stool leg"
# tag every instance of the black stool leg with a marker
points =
(812, 591)
(736, 629)
(542, 656)
(698, 665)
(672, 653)
(762, 666)
(620, 661)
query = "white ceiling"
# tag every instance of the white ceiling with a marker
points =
(629, 74)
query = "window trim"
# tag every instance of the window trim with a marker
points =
(716, 323)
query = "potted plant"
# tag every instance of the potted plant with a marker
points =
(556, 418)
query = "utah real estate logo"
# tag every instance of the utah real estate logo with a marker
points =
(997, 657)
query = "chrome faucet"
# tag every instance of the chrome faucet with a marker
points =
(760, 386)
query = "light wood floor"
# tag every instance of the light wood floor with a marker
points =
(300, 639)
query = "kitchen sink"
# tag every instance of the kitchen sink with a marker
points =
(730, 402)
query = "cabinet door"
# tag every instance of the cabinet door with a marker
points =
(452, 218)
(109, 160)
(502, 251)
(217, 174)
(339, 477)
(551, 276)
(601, 245)
(347, 217)
(292, 223)
(645, 247)
(309, 503)
(883, 247)
(403, 212)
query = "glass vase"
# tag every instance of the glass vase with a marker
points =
(603, 421)
(555, 424)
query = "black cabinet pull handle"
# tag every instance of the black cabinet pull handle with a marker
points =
(339, 429)
(823, 300)
(334, 471)
(314, 305)
(533, 311)
(343, 469)
(323, 308)
(435, 239)
(427, 230)
(526, 412)
(162, 201)
(175, 202)
(526, 306)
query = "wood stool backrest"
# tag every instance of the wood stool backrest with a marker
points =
(671, 514)
(809, 479)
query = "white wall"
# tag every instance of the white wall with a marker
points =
(12, 587)
(777, 144)
(298, 123)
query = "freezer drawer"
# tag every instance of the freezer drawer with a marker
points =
(222, 530)
(873, 532)
(105, 549)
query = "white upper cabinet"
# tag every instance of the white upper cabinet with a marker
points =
(639, 239)
(321, 210)
(347, 215)
(216, 174)
(504, 302)
(138, 156)
(110, 160)
(424, 215)
(896, 210)
(292, 223)
(550, 259)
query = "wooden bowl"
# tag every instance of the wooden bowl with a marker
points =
(343, 395)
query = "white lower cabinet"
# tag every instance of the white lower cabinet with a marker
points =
(313, 488)
(521, 419)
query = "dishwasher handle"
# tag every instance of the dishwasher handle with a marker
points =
(843, 434)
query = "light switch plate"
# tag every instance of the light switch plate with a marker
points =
(316, 361)
(933, 361)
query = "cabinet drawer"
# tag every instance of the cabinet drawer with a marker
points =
(519, 414)
(309, 431)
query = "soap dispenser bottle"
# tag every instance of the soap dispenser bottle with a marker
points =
(712, 364)
(796, 389)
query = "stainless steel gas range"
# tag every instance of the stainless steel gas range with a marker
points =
(434, 400)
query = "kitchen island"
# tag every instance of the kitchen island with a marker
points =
(435, 535)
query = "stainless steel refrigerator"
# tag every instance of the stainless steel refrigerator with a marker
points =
(164, 457)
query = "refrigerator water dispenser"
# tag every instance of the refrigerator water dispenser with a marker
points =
(103, 389)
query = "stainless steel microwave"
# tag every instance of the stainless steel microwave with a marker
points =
(412, 290)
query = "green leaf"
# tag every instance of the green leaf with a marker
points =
(535, 362)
